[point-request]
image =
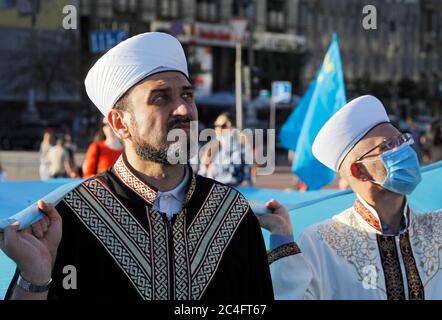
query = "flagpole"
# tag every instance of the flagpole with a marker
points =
(238, 27)
(238, 86)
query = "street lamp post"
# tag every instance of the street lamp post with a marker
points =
(238, 85)
(251, 21)
(238, 28)
(31, 113)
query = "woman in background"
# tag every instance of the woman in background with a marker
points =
(103, 152)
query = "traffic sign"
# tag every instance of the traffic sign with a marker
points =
(238, 27)
(101, 41)
(281, 91)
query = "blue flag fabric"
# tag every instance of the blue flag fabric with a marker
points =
(325, 96)
(291, 129)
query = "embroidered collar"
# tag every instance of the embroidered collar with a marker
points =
(371, 217)
(132, 179)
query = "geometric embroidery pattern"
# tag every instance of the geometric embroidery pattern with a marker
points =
(189, 191)
(160, 255)
(133, 265)
(99, 190)
(182, 277)
(164, 259)
(143, 190)
(232, 217)
(133, 182)
(205, 216)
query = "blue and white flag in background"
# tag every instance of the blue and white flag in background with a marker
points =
(325, 96)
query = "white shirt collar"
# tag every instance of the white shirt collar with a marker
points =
(179, 191)
(171, 202)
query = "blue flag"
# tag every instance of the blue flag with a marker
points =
(291, 129)
(325, 96)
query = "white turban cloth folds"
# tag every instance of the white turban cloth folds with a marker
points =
(130, 62)
(346, 128)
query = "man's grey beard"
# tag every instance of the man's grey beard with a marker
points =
(166, 151)
(159, 155)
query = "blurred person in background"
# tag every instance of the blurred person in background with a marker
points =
(45, 145)
(71, 148)
(223, 161)
(59, 166)
(417, 145)
(103, 152)
(436, 141)
(3, 175)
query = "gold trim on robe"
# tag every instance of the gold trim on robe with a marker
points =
(282, 251)
(415, 286)
(350, 240)
(394, 283)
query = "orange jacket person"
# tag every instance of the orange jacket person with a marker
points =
(102, 154)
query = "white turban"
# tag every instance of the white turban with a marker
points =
(130, 62)
(346, 128)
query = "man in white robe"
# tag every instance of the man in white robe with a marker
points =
(379, 248)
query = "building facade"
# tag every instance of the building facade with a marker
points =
(39, 82)
(203, 27)
(406, 43)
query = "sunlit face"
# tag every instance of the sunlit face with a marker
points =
(222, 123)
(376, 169)
(159, 104)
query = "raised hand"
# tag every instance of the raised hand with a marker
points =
(34, 249)
(277, 222)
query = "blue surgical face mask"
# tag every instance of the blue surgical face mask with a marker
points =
(402, 169)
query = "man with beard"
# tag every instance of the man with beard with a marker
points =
(145, 229)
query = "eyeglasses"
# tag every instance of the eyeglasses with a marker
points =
(391, 143)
